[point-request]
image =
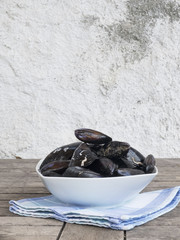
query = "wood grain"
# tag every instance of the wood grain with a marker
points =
(166, 226)
(79, 232)
(18, 180)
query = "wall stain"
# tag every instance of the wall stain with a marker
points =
(133, 34)
(89, 20)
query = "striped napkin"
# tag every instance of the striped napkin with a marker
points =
(145, 207)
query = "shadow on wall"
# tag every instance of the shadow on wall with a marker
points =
(133, 34)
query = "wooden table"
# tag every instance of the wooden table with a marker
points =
(18, 179)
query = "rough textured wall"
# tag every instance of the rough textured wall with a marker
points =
(113, 66)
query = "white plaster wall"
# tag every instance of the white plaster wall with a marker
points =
(113, 66)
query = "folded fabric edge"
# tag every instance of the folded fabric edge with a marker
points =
(126, 225)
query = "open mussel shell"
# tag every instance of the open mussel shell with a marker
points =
(80, 172)
(91, 136)
(62, 153)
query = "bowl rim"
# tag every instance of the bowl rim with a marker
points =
(92, 179)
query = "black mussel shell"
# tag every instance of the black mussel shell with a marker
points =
(149, 164)
(133, 159)
(91, 136)
(82, 156)
(96, 156)
(113, 150)
(128, 172)
(49, 173)
(55, 166)
(104, 166)
(62, 153)
(80, 172)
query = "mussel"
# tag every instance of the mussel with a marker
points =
(128, 172)
(82, 156)
(55, 166)
(114, 150)
(51, 174)
(133, 159)
(96, 156)
(62, 153)
(80, 172)
(149, 164)
(91, 136)
(104, 166)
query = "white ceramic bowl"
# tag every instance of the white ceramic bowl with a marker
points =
(96, 191)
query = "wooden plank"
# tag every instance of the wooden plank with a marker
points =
(19, 173)
(3, 204)
(5, 212)
(25, 190)
(17, 181)
(23, 184)
(15, 160)
(154, 233)
(29, 237)
(82, 232)
(5, 198)
(20, 180)
(18, 163)
(15, 196)
(29, 221)
(166, 226)
(16, 227)
(28, 230)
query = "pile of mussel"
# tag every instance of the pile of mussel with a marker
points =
(96, 155)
